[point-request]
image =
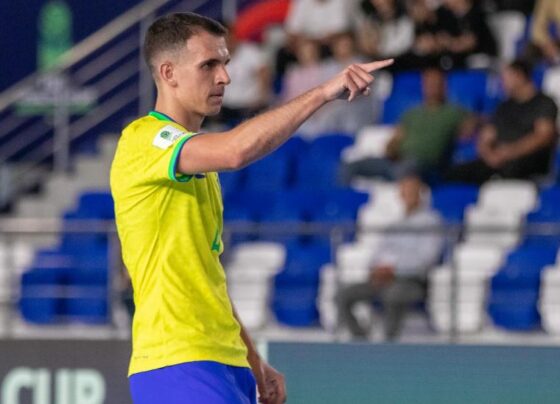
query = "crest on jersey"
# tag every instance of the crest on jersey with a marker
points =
(166, 137)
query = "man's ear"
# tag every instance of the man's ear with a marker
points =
(166, 72)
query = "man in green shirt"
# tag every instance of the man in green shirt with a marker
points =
(422, 141)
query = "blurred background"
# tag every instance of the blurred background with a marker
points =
(400, 248)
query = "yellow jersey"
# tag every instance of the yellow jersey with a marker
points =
(170, 228)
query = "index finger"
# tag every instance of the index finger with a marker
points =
(373, 66)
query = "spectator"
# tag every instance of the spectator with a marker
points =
(465, 33)
(316, 20)
(306, 74)
(426, 50)
(384, 29)
(250, 88)
(398, 272)
(319, 20)
(545, 42)
(520, 140)
(348, 117)
(422, 141)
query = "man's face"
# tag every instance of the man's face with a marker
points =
(201, 74)
(511, 80)
(411, 192)
(433, 85)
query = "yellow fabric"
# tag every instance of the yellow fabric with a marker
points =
(170, 233)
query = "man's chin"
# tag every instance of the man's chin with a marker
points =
(214, 110)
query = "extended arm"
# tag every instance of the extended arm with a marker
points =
(261, 135)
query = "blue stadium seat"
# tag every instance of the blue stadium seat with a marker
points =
(329, 145)
(468, 88)
(231, 181)
(515, 288)
(406, 93)
(317, 173)
(38, 302)
(451, 200)
(268, 174)
(396, 105)
(340, 205)
(295, 288)
(96, 205)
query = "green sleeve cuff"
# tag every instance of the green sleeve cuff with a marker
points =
(172, 169)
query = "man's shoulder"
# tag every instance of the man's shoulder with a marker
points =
(148, 125)
(147, 130)
(544, 99)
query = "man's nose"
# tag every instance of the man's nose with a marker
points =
(223, 76)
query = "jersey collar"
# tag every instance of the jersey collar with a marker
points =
(161, 116)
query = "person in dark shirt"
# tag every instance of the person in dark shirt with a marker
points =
(464, 33)
(446, 36)
(520, 140)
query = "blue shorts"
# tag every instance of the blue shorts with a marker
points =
(194, 382)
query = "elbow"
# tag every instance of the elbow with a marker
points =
(237, 159)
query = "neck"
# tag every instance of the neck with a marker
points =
(434, 102)
(524, 93)
(189, 120)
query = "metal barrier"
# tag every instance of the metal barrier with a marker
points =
(13, 231)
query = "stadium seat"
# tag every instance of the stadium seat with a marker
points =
(371, 141)
(406, 93)
(96, 205)
(515, 288)
(268, 174)
(512, 195)
(468, 88)
(549, 300)
(231, 181)
(508, 28)
(339, 206)
(451, 200)
(329, 145)
(296, 287)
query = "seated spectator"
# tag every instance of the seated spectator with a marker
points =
(250, 87)
(384, 29)
(545, 42)
(520, 140)
(465, 33)
(422, 141)
(398, 272)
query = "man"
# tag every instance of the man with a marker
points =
(520, 140)
(398, 272)
(421, 142)
(188, 344)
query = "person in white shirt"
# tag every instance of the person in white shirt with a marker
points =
(319, 19)
(398, 271)
(251, 82)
